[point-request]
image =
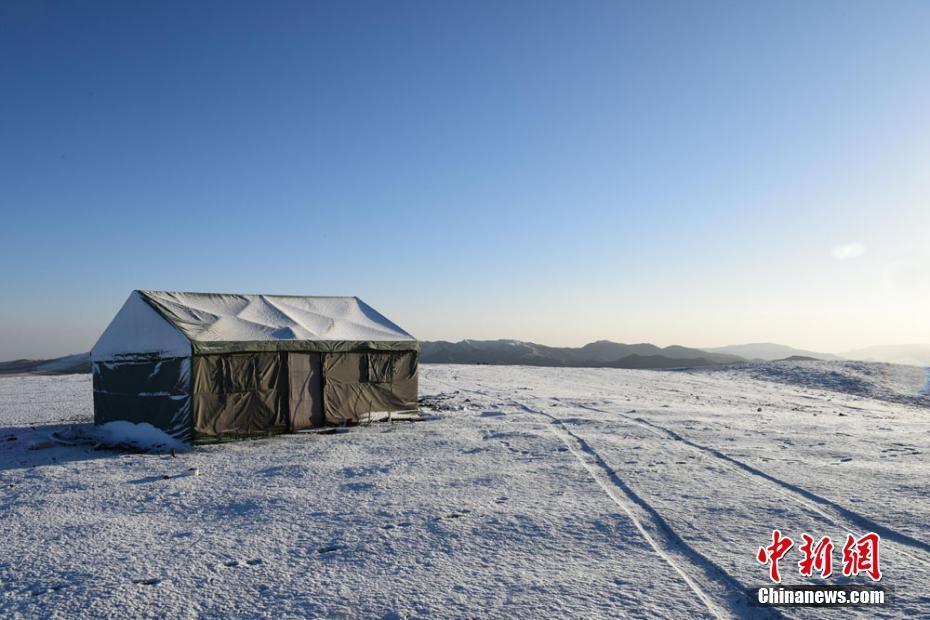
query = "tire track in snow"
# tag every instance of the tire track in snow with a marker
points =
(830, 510)
(720, 592)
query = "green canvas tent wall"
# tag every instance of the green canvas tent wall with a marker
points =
(203, 366)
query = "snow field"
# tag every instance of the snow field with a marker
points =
(575, 492)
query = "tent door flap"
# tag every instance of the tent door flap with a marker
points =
(305, 390)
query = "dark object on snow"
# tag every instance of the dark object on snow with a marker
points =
(204, 367)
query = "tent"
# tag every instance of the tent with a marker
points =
(203, 366)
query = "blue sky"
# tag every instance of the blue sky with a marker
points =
(691, 173)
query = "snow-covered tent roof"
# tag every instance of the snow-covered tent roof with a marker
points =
(174, 324)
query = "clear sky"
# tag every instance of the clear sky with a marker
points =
(696, 173)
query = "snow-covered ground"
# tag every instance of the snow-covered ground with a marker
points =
(535, 491)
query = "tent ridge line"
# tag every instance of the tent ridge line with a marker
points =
(145, 292)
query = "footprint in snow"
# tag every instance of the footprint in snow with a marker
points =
(391, 526)
(356, 487)
(330, 549)
(40, 590)
(240, 563)
(153, 581)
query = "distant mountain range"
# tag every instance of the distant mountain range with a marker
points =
(605, 353)
(600, 354)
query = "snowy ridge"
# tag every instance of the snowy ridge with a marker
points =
(894, 383)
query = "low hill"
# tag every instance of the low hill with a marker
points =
(78, 363)
(769, 351)
(911, 354)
